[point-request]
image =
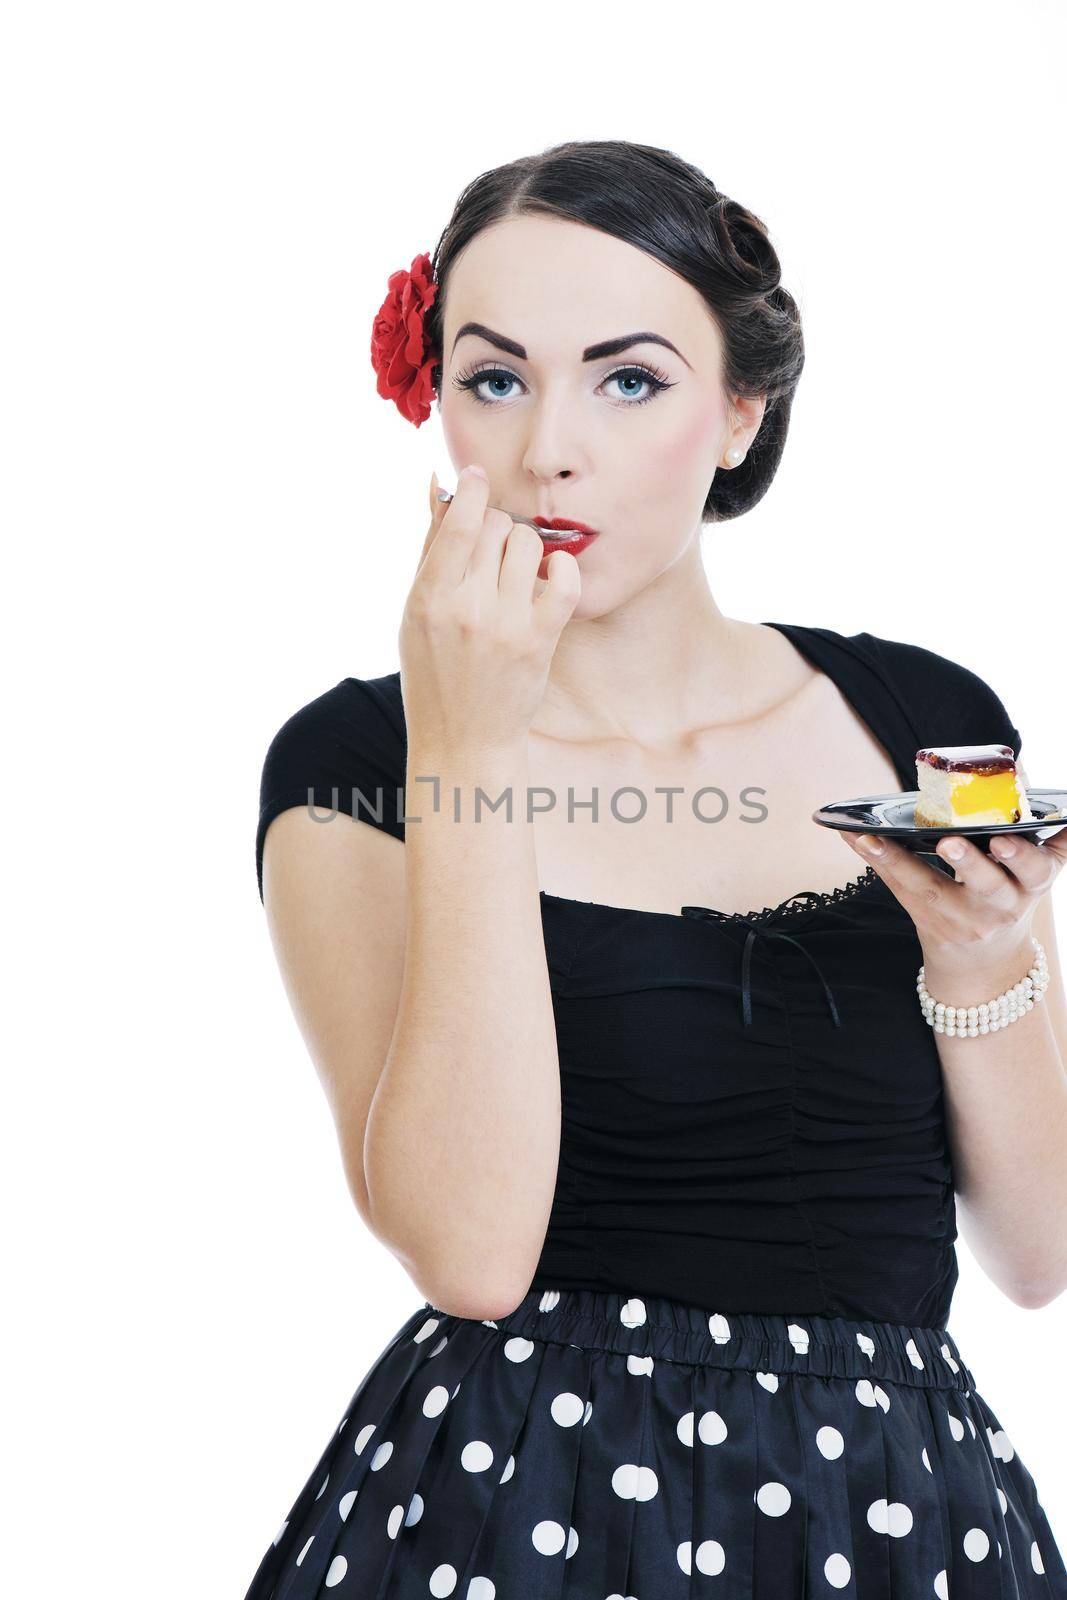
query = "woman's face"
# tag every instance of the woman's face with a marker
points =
(597, 439)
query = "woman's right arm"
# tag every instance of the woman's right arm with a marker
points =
(462, 1141)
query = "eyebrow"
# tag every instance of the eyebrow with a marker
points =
(593, 352)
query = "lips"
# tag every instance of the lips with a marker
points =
(558, 524)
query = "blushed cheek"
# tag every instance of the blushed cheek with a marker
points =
(692, 448)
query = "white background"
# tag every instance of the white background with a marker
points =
(212, 518)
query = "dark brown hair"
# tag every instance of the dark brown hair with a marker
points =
(654, 200)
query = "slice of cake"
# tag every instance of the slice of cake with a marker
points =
(975, 785)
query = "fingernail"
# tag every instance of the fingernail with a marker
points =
(1003, 847)
(474, 471)
(873, 847)
(443, 494)
(954, 849)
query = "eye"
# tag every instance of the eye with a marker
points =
(473, 380)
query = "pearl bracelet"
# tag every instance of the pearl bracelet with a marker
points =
(967, 1022)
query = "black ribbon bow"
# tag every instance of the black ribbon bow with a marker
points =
(758, 927)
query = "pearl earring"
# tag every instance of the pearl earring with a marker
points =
(735, 455)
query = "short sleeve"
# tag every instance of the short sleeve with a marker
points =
(948, 703)
(344, 751)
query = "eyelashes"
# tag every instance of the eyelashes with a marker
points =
(472, 380)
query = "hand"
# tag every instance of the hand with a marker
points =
(975, 930)
(476, 638)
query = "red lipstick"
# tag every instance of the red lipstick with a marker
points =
(563, 523)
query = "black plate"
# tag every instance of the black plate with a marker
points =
(893, 815)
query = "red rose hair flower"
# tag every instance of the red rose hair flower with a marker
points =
(397, 344)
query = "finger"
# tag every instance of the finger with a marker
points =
(981, 873)
(437, 511)
(484, 564)
(518, 571)
(559, 593)
(913, 882)
(446, 559)
(1032, 865)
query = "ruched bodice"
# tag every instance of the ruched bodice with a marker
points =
(785, 1161)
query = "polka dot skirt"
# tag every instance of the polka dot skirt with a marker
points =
(599, 1446)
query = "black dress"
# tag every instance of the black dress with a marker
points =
(732, 1373)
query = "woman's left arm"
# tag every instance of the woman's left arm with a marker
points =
(1005, 1092)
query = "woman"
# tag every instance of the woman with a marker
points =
(675, 1180)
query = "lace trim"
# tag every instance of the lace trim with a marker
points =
(795, 906)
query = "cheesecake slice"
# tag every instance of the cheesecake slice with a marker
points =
(969, 785)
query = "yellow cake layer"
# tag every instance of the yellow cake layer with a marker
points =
(997, 792)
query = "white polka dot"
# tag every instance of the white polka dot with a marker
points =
(950, 1359)
(362, 1436)
(341, 1424)
(1002, 1497)
(684, 1430)
(926, 1460)
(572, 1540)
(976, 1544)
(482, 1588)
(837, 1571)
(710, 1557)
(799, 1338)
(1002, 1445)
(305, 1550)
(711, 1428)
(567, 1409)
(588, 1412)
(881, 1397)
(941, 1585)
(381, 1456)
(684, 1553)
(549, 1302)
(1035, 1558)
(548, 1538)
(641, 1366)
(415, 1510)
(773, 1499)
(631, 1482)
(970, 1423)
(337, 1569)
(476, 1456)
(913, 1354)
(866, 1344)
(719, 1328)
(395, 1522)
(518, 1349)
(281, 1530)
(443, 1580)
(900, 1520)
(878, 1516)
(865, 1392)
(435, 1401)
(632, 1313)
(508, 1470)
(427, 1328)
(895, 1519)
(438, 1347)
(830, 1442)
(322, 1487)
(345, 1504)
(769, 1381)
(955, 1427)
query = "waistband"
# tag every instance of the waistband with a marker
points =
(767, 1345)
